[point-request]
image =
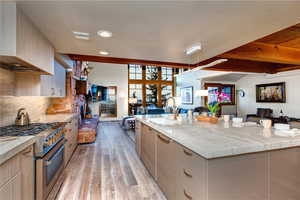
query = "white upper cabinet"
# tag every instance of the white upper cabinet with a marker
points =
(22, 44)
(54, 86)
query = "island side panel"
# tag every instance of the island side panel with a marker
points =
(242, 177)
(285, 174)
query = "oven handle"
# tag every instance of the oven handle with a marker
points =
(48, 162)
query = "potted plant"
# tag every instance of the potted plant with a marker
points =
(213, 108)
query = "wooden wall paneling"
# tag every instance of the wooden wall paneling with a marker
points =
(258, 51)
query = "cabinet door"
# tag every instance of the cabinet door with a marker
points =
(138, 130)
(12, 189)
(59, 80)
(69, 143)
(167, 168)
(148, 149)
(32, 46)
(54, 86)
(28, 173)
(74, 124)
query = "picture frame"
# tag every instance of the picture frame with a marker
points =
(271, 93)
(187, 95)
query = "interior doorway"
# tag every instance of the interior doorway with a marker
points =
(108, 106)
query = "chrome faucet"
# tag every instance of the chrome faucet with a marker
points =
(22, 118)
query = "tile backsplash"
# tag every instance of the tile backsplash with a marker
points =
(9, 105)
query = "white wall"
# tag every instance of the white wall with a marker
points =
(112, 75)
(248, 105)
(195, 79)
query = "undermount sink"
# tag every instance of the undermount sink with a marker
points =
(165, 121)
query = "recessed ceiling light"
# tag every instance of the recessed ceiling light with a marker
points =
(193, 49)
(104, 33)
(104, 53)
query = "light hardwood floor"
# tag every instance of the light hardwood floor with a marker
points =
(109, 169)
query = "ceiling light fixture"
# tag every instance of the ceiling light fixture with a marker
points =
(104, 33)
(192, 49)
(81, 35)
(104, 53)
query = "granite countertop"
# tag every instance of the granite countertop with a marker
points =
(220, 140)
(64, 117)
(10, 148)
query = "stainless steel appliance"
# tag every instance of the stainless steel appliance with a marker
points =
(22, 118)
(49, 152)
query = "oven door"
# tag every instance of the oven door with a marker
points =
(48, 170)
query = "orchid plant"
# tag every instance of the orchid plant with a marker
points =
(213, 108)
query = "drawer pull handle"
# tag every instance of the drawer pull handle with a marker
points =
(27, 152)
(187, 153)
(187, 196)
(187, 174)
(163, 139)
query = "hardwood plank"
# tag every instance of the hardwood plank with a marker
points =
(108, 169)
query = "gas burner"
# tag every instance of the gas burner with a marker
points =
(31, 129)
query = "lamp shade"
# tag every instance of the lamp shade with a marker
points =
(132, 100)
(201, 93)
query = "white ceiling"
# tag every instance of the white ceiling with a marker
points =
(155, 30)
(226, 77)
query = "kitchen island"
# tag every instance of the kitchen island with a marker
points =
(198, 160)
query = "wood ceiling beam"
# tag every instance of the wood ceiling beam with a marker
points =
(257, 51)
(236, 65)
(115, 60)
(287, 68)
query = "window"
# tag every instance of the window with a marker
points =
(135, 90)
(151, 73)
(166, 74)
(166, 92)
(224, 94)
(135, 72)
(151, 94)
(152, 85)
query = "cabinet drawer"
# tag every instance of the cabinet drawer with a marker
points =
(191, 162)
(191, 185)
(192, 176)
(9, 169)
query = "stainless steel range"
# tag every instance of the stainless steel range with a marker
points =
(49, 152)
(48, 134)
